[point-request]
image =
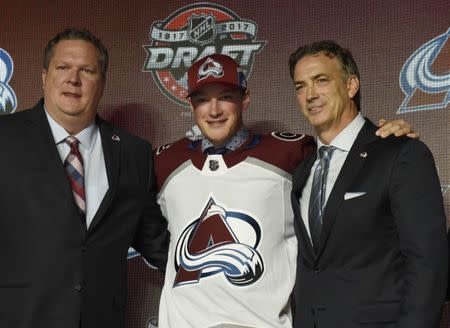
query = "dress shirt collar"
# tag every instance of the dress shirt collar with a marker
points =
(234, 143)
(345, 139)
(86, 137)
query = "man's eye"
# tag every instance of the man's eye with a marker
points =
(88, 70)
(61, 67)
(227, 97)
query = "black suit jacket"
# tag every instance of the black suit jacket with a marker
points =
(383, 255)
(54, 273)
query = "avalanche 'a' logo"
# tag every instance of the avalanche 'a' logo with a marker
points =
(8, 100)
(219, 242)
(425, 76)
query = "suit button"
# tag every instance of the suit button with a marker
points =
(77, 287)
(316, 270)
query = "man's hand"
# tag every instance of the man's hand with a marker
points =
(397, 128)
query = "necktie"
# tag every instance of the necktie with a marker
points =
(216, 150)
(74, 169)
(317, 198)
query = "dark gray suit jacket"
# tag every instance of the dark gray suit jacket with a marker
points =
(55, 273)
(383, 255)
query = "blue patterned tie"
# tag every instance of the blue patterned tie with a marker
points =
(74, 169)
(317, 198)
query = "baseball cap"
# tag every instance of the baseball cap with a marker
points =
(215, 68)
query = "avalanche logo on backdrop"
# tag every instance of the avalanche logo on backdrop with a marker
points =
(191, 33)
(425, 76)
(219, 242)
(8, 100)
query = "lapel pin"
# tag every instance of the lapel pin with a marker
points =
(115, 137)
(363, 155)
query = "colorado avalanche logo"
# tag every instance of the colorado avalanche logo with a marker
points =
(420, 76)
(210, 68)
(219, 242)
(8, 100)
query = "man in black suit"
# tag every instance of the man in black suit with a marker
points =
(76, 193)
(370, 220)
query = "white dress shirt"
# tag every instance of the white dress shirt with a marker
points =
(342, 142)
(90, 147)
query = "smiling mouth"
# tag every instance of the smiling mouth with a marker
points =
(72, 95)
(216, 123)
(313, 109)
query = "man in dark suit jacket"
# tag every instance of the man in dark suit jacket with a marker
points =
(373, 253)
(64, 262)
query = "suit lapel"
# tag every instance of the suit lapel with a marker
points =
(352, 165)
(111, 151)
(298, 185)
(46, 168)
(46, 155)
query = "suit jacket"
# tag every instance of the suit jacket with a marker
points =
(55, 273)
(383, 254)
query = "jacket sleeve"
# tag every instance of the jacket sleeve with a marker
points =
(417, 205)
(152, 237)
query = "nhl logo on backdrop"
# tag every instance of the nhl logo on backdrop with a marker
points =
(194, 32)
(202, 29)
(425, 76)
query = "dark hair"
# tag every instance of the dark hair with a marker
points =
(333, 50)
(73, 33)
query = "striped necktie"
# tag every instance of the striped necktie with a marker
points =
(318, 192)
(74, 169)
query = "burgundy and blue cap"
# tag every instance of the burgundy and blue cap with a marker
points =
(215, 68)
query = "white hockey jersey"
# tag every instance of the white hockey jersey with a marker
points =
(233, 250)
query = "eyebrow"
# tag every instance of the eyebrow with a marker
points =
(314, 77)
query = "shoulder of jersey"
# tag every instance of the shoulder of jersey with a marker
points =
(171, 148)
(284, 149)
(168, 157)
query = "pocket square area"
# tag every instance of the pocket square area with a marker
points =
(350, 195)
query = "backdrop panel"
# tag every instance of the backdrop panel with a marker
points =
(401, 47)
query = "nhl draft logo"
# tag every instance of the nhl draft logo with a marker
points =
(194, 32)
(425, 76)
(8, 100)
(219, 242)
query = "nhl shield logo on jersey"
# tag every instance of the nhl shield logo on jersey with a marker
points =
(219, 242)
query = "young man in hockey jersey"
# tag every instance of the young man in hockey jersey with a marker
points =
(232, 256)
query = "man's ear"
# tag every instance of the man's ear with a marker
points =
(43, 76)
(352, 86)
(246, 99)
(191, 107)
